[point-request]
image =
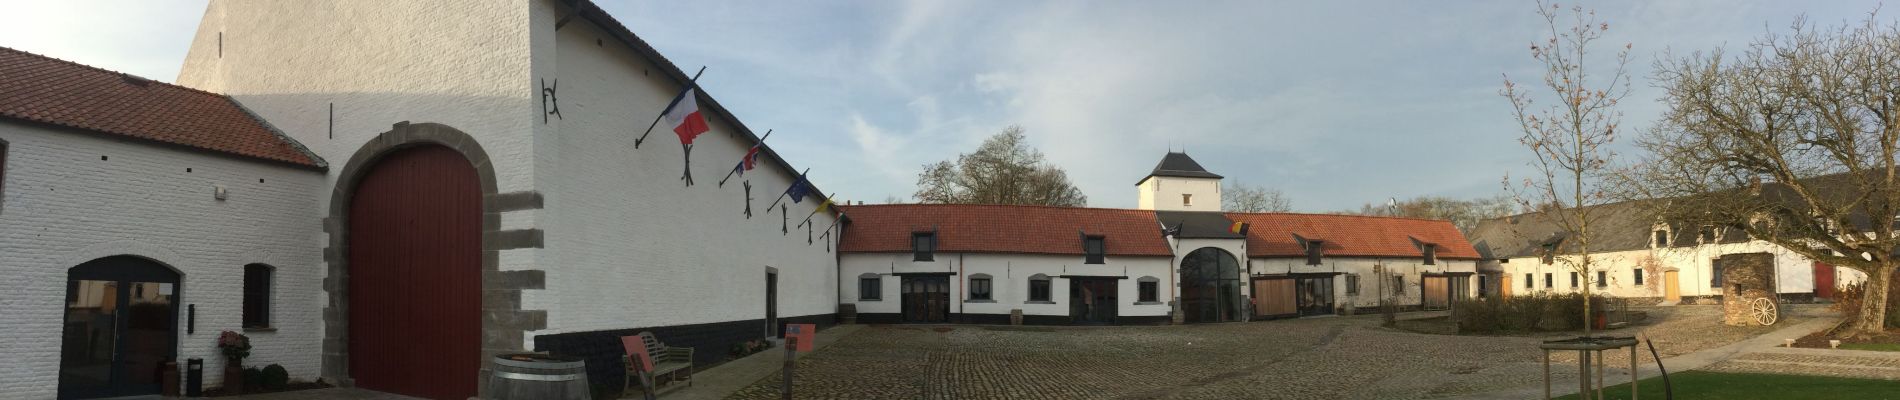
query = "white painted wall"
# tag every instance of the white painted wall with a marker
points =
(1164, 193)
(464, 64)
(64, 206)
(628, 245)
(1412, 269)
(1010, 275)
(1694, 263)
(619, 227)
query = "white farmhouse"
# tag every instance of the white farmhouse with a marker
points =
(1635, 256)
(1177, 259)
(383, 194)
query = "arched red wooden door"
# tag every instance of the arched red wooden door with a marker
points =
(415, 275)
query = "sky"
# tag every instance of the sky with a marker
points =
(1335, 104)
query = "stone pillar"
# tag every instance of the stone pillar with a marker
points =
(1745, 277)
(1176, 315)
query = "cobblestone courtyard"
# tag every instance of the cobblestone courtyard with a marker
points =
(1339, 357)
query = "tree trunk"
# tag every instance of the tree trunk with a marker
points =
(1873, 305)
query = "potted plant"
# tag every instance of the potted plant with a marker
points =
(234, 346)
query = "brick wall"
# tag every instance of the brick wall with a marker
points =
(65, 206)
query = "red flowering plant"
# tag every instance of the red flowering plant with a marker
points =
(235, 346)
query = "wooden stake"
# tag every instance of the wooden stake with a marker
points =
(791, 354)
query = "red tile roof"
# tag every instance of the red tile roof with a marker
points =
(57, 92)
(1271, 235)
(1002, 229)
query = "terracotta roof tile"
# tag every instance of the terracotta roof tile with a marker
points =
(57, 92)
(1002, 229)
(1271, 235)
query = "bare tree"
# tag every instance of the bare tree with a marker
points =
(1003, 170)
(1241, 197)
(1569, 137)
(1465, 214)
(1793, 141)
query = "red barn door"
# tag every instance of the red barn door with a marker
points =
(415, 275)
(1823, 280)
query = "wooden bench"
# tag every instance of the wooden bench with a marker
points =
(674, 364)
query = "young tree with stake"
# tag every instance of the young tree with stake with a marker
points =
(1569, 138)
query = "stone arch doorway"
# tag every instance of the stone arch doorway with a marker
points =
(119, 328)
(1210, 286)
(423, 163)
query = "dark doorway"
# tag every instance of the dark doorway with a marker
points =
(1210, 286)
(771, 306)
(1092, 301)
(415, 277)
(1315, 295)
(120, 327)
(926, 298)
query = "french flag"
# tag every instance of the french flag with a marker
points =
(685, 118)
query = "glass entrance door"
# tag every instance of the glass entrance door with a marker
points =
(120, 328)
(1315, 295)
(1092, 301)
(926, 298)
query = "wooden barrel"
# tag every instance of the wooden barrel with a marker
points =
(537, 376)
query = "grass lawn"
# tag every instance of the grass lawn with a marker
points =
(1716, 385)
(1871, 346)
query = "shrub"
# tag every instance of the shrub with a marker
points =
(275, 377)
(253, 377)
(1534, 312)
(1848, 301)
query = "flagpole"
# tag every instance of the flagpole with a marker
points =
(834, 223)
(781, 195)
(814, 211)
(690, 84)
(761, 144)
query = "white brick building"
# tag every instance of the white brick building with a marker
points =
(459, 215)
(1635, 256)
(384, 194)
(1175, 260)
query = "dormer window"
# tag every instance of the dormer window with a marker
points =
(1550, 253)
(1314, 250)
(1708, 234)
(1662, 238)
(923, 246)
(1426, 250)
(1094, 248)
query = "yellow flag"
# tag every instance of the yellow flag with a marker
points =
(824, 205)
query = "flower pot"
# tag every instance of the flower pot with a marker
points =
(233, 377)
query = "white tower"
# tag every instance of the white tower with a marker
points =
(1179, 184)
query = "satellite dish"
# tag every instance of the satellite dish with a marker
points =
(1392, 203)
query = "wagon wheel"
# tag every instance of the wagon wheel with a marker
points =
(1765, 311)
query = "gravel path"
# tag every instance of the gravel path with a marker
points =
(1338, 357)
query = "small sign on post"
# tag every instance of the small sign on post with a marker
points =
(798, 339)
(805, 333)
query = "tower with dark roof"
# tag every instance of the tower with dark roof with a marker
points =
(1179, 183)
